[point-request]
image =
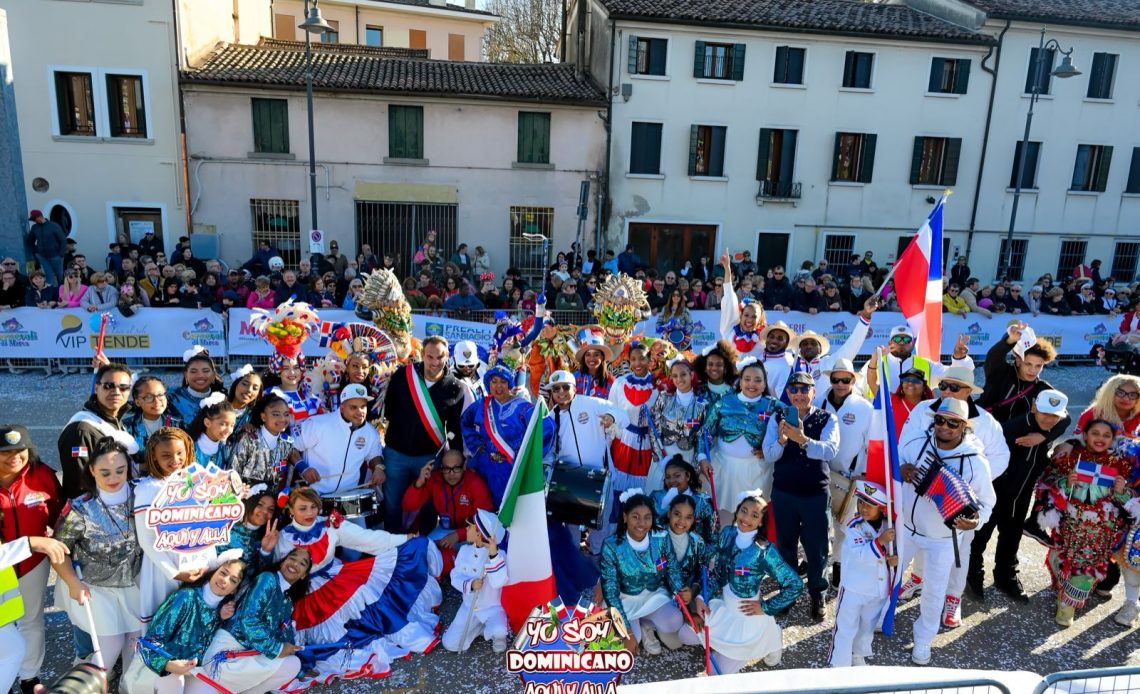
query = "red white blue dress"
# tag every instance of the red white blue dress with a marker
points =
(371, 610)
(633, 449)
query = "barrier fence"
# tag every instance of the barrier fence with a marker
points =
(63, 339)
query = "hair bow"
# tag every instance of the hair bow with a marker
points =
(756, 494)
(241, 373)
(193, 352)
(630, 493)
(215, 398)
(745, 362)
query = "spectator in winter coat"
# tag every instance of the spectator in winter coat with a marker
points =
(455, 493)
(855, 294)
(1108, 304)
(40, 294)
(969, 294)
(809, 300)
(778, 291)
(629, 262)
(960, 272)
(262, 295)
(1056, 304)
(11, 293)
(952, 301)
(101, 296)
(832, 299)
(714, 296)
(462, 304)
(1015, 302)
(49, 243)
(1084, 302)
(1035, 298)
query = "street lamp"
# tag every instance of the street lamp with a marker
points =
(313, 24)
(1063, 71)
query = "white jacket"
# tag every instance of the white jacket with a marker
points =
(865, 570)
(778, 367)
(581, 438)
(986, 429)
(918, 513)
(854, 421)
(471, 563)
(896, 366)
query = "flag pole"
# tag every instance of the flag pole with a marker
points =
(888, 474)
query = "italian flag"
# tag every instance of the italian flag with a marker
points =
(530, 579)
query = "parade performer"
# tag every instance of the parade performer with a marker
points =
(550, 352)
(618, 305)
(246, 386)
(1087, 489)
(182, 629)
(901, 356)
(813, 351)
(739, 619)
(865, 586)
(100, 535)
(456, 494)
(691, 552)
(211, 429)
(148, 413)
(384, 304)
(741, 321)
(716, 368)
(261, 452)
(592, 375)
(469, 367)
(98, 418)
(634, 394)
(676, 418)
(479, 575)
(779, 361)
(342, 451)
(681, 479)
(364, 612)
(732, 441)
(637, 577)
(256, 535)
(1128, 556)
(287, 375)
(263, 622)
(199, 379)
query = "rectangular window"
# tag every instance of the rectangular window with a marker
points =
(270, 126)
(1017, 263)
(285, 27)
(417, 38)
(854, 157)
(789, 65)
(935, 161)
(406, 132)
(1032, 155)
(776, 163)
(332, 35)
(526, 254)
(1124, 260)
(125, 105)
(1103, 75)
(374, 36)
(1134, 173)
(75, 103)
(719, 61)
(456, 47)
(647, 55)
(1072, 255)
(645, 148)
(1043, 77)
(534, 137)
(857, 70)
(1090, 173)
(949, 76)
(279, 223)
(838, 249)
(706, 150)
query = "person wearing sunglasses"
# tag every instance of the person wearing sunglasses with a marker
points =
(901, 356)
(813, 351)
(801, 455)
(924, 531)
(101, 416)
(957, 383)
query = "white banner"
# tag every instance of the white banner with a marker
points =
(36, 333)
(244, 341)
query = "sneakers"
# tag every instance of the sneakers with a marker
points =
(1127, 614)
(858, 660)
(1065, 614)
(920, 654)
(952, 612)
(649, 641)
(1103, 593)
(911, 588)
(773, 659)
(1033, 530)
(1012, 587)
(499, 644)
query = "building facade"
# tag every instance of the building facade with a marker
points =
(478, 153)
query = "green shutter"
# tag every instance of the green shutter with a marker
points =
(632, 66)
(1103, 164)
(693, 135)
(849, 69)
(1096, 75)
(937, 66)
(962, 79)
(405, 132)
(916, 159)
(699, 60)
(270, 125)
(1134, 173)
(950, 168)
(796, 65)
(534, 138)
(762, 154)
(780, 74)
(655, 145)
(835, 157)
(738, 62)
(787, 171)
(717, 136)
(868, 164)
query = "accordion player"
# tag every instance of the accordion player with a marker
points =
(945, 488)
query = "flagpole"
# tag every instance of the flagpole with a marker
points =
(888, 472)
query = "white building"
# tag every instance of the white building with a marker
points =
(480, 153)
(802, 130)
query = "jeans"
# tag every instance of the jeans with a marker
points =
(53, 269)
(803, 520)
(401, 471)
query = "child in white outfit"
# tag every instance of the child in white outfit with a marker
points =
(479, 575)
(865, 584)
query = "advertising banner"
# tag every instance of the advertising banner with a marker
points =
(35, 333)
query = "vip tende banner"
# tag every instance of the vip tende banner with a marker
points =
(35, 333)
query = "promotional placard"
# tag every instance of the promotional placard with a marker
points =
(195, 510)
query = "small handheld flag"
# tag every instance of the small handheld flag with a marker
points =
(1095, 474)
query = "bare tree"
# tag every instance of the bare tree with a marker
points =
(527, 31)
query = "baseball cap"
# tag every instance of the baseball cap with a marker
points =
(562, 377)
(1052, 402)
(34, 215)
(802, 378)
(465, 353)
(354, 391)
(901, 330)
(14, 437)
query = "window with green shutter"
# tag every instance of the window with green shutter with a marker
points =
(789, 65)
(1032, 154)
(719, 61)
(406, 132)
(1133, 185)
(270, 126)
(706, 150)
(534, 137)
(647, 55)
(934, 161)
(1102, 76)
(1090, 173)
(854, 159)
(1042, 77)
(949, 76)
(857, 70)
(645, 148)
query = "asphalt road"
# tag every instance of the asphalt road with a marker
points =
(996, 634)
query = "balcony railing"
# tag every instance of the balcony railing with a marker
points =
(779, 190)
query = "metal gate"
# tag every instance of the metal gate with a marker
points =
(401, 228)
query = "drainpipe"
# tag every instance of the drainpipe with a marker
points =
(562, 41)
(986, 134)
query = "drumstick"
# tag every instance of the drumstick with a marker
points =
(710, 661)
(97, 655)
(166, 654)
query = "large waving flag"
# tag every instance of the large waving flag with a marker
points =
(530, 576)
(918, 284)
(883, 468)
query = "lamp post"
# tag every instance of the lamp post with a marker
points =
(1063, 71)
(313, 24)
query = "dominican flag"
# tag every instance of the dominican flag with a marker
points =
(918, 284)
(1092, 473)
(584, 608)
(326, 333)
(530, 574)
(883, 467)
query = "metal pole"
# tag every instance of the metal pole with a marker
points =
(312, 136)
(1007, 259)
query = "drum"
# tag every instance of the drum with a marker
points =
(358, 503)
(578, 495)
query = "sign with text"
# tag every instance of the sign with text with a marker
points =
(194, 511)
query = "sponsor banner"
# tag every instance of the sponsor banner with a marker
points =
(35, 333)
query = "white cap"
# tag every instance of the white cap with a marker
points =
(1052, 402)
(871, 492)
(465, 353)
(354, 391)
(901, 330)
(562, 377)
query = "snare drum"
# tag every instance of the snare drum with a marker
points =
(578, 495)
(358, 503)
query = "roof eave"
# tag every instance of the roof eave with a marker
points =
(1084, 23)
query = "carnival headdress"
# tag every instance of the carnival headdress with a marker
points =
(620, 302)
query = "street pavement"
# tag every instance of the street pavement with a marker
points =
(996, 634)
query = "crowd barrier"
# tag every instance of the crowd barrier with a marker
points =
(49, 339)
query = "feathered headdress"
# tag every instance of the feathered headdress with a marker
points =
(620, 302)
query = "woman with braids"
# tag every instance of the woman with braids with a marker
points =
(149, 413)
(260, 453)
(211, 430)
(199, 379)
(246, 386)
(716, 368)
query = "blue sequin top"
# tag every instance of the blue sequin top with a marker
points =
(626, 570)
(264, 618)
(697, 556)
(743, 569)
(704, 522)
(183, 626)
(729, 418)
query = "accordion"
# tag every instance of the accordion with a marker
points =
(946, 489)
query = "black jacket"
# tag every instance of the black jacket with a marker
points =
(1026, 464)
(777, 293)
(1006, 396)
(75, 437)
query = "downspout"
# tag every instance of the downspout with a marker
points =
(609, 137)
(182, 177)
(357, 8)
(562, 42)
(272, 21)
(986, 134)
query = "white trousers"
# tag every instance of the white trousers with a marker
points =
(957, 582)
(938, 559)
(488, 622)
(724, 664)
(11, 655)
(31, 625)
(286, 670)
(856, 617)
(116, 646)
(667, 620)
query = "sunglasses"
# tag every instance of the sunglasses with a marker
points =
(561, 387)
(940, 421)
(952, 387)
(1127, 394)
(835, 380)
(798, 389)
(777, 274)
(913, 380)
(121, 387)
(902, 339)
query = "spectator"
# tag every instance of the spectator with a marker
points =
(85, 272)
(1000, 295)
(354, 296)
(1033, 301)
(151, 280)
(489, 294)
(115, 259)
(169, 296)
(481, 263)
(590, 264)
(11, 295)
(820, 270)
(695, 297)
(952, 301)
(10, 263)
(100, 296)
(416, 298)
(658, 295)
(324, 295)
(462, 304)
(960, 272)
(704, 270)
(49, 243)
(1084, 302)
(1108, 304)
(670, 281)
(462, 259)
(629, 262)
(259, 263)
(291, 289)
(675, 310)
(335, 262)
(868, 263)
(192, 295)
(746, 265)
(262, 295)
(425, 286)
(367, 260)
(809, 300)
(235, 283)
(130, 298)
(514, 298)
(211, 287)
(713, 298)
(778, 291)
(450, 288)
(40, 294)
(568, 299)
(1056, 304)
(854, 294)
(72, 290)
(187, 258)
(969, 294)
(434, 262)
(1015, 302)
(587, 286)
(150, 244)
(527, 302)
(832, 299)
(183, 242)
(305, 272)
